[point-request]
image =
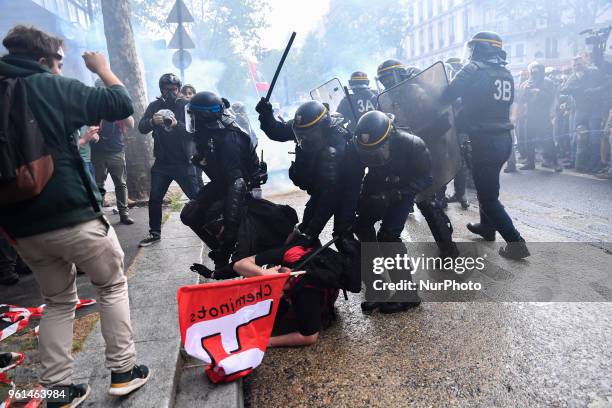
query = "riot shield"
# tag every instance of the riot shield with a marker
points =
(330, 93)
(416, 105)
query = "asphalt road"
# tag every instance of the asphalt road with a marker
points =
(467, 354)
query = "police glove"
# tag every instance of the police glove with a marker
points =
(348, 245)
(264, 107)
(299, 238)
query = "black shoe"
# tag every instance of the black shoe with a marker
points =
(150, 240)
(528, 166)
(476, 228)
(396, 307)
(125, 219)
(515, 250)
(369, 306)
(7, 359)
(8, 278)
(125, 383)
(76, 395)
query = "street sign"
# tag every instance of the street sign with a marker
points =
(181, 59)
(181, 40)
(179, 14)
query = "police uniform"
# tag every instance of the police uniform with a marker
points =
(324, 171)
(225, 152)
(486, 89)
(362, 100)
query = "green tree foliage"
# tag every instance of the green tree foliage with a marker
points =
(226, 31)
(353, 35)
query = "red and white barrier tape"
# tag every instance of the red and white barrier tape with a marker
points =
(20, 317)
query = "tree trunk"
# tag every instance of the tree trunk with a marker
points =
(124, 62)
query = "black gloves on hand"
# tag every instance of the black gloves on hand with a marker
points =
(348, 245)
(375, 206)
(264, 107)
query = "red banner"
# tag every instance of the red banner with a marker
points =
(261, 86)
(228, 324)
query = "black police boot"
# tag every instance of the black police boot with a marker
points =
(396, 307)
(478, 229)
(369, 306)
(515, 250)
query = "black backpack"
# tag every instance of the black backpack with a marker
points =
(26, 163)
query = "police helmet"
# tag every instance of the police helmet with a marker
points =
(486, 46)
(372, 138)
(454, 64)
(169, 79)
(310, 125)
(203, 109)
(359, 79)
(391, 72)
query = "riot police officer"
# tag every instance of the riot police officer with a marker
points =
(399, 167)
(362, 99)
(321, 168)
(486, 89)
(225, 153)
(390, 73)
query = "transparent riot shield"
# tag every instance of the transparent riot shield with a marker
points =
(416, 105)
(330, 93)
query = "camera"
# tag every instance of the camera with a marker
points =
(167, 117)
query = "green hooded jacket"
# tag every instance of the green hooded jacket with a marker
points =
(61, 106)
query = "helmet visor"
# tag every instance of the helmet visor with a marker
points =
(374, 156)
(309, 139)
(190, 125)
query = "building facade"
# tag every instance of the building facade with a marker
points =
(439, 30)
(67, 19)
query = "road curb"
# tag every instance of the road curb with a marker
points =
(194, 388)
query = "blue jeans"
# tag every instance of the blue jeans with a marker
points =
(489, 153)
(161, 177)
(90, 168)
